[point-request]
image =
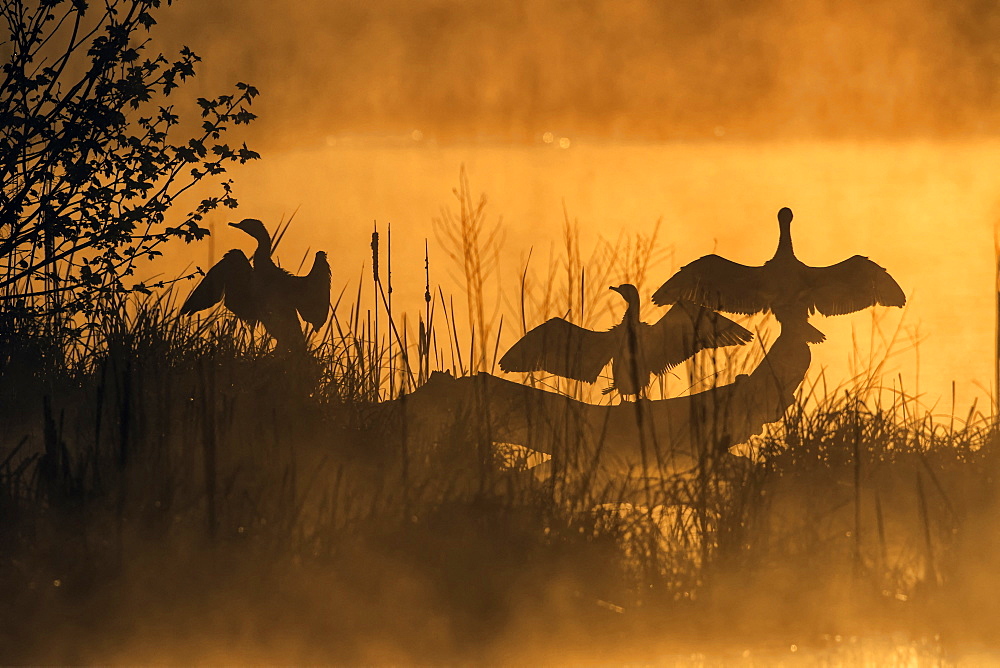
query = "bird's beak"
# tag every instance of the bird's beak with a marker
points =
(616, 288)
(236, 225)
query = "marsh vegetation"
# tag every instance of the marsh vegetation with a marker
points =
(172, 489)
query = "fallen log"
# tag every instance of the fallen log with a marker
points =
(659, 437)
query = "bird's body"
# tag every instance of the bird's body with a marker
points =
(264, 292)
(636, 350)
(784, 285)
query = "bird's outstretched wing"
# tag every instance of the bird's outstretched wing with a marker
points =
(562, 348)
(850, 286)
(685, 330)
(231, 276)
(717, 283)
(312, 292)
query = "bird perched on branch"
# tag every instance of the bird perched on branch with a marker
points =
(636, 349)
(264, 292)
(784, 285)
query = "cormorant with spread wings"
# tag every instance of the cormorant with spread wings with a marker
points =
(636, 349)
(785, 285)
(264, 292)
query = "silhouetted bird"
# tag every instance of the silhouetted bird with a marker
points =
(785, 285)
(265, 292)
(637, 350)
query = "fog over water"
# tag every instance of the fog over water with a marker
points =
(192, 496)
(873, 124)
(613, 69)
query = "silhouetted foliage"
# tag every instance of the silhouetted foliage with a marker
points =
(90, 164)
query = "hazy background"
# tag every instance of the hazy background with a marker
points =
(611, 69)
(876, 123)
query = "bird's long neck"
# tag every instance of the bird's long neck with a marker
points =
(263, 253)
(784, 239)
(632, 312)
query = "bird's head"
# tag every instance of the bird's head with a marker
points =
(254, 228)
(785, 216)
(628, 292)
